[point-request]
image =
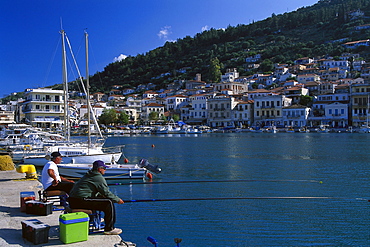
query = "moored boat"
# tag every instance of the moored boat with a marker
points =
(74, 155)
(115, 173)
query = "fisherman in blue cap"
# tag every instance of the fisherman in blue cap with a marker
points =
(92, 192)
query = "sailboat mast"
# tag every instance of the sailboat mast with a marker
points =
(65, 87)
(87, 88)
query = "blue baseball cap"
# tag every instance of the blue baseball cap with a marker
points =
(99, 164)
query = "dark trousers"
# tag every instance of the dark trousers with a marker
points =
(101, 204)
(63, 186)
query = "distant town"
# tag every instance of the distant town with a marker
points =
(309, 93)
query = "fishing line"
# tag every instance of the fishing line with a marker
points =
(222, 181)
(243, 198)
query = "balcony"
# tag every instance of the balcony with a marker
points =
(46, 119)
(44, 101)
(27, 110)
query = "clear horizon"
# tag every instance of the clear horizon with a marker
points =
(31, 47)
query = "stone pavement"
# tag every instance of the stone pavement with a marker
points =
(11, 184)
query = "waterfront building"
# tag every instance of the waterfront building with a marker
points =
(198, 109)
(360, 94)
(295, 116)
(269, 109)
(325, 112)
(148, 109)
(336, 114)
(219, 111)
(242, 114)
(43, 107)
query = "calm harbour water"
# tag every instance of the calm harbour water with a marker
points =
(280, 165)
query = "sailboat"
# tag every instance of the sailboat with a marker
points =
(76, 152)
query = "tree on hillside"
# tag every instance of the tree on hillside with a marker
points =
(154, 116)
(305, 100)
(266, 65)
(123, 118)
(108, 117)
(215, 70)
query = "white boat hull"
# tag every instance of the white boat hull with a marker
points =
(40, 161)
(112, 174)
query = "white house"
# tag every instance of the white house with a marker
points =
(296, 115)
(198, 110)
(174, 103)
(337, 114)
(253, 59)
(44, 107)
(230, 75)
(242, 114)
(308, 78)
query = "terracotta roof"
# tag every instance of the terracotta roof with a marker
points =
(154, 104)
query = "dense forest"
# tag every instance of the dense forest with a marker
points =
(315, 31)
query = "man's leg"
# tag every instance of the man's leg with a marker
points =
(63, 186)
(101, 204)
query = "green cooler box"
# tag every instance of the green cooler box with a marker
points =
(74, 227)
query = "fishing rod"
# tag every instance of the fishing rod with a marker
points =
(241, 198)
(223, 181)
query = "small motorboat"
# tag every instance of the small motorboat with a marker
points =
(115, 173)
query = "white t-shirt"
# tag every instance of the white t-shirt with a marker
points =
(45, 178)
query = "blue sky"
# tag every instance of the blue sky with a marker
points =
(30, 49)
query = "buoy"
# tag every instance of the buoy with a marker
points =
(125, 160)
(153, 146)
(149, 175)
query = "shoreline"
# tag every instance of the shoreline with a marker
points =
(12, 183)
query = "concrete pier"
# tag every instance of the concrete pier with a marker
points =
(11, 184)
